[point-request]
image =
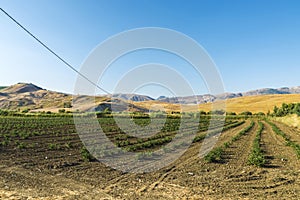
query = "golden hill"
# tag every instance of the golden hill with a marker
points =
(28, 96)
(254, 104)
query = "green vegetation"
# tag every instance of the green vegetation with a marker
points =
(53, 146)
(86, 155)
(61, 110)
(286, 109)
(287, 139)
(243, 132)
(215, 155)
(144, 155)
(216, 131)
(246, 113)
(22, 128)
(257, 157)
(67, 104)
(20, 145)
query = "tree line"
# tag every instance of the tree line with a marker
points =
(286, 109)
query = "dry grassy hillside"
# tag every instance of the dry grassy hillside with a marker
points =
(254, 104)
(24, 96)
(28, 96)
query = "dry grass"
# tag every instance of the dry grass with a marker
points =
(290, 120)
(260, 103)
(253, 104)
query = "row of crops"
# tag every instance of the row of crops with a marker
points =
(60, 133)
(53, 133)
(216, 155)
(287, 139)
(256, 156)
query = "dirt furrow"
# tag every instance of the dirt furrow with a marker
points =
(180, 176)
(293, 133)
(145, 185)
(277, 153)
(282, 169)
(40, 186)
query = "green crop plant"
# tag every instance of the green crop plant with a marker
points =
(86, 155)
(287, 139)
(215, 155)
(256, 156)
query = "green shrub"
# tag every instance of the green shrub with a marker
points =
(20, 145)
(215, 155)
(53, 146)
(67, 104)
(86, 155)
(246, 113)
(62, 110)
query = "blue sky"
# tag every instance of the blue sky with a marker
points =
(255, 44)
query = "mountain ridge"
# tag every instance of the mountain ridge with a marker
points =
(208, 98)
(28, 95)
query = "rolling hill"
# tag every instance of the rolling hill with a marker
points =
(23, 96)
(207, 98)
(254, 104)
(29, 96)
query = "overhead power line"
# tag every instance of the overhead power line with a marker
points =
(55, 54)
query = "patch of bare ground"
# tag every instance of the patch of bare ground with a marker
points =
(19, 183)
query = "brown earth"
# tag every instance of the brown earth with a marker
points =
(39, 173)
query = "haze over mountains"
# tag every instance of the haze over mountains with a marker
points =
(208, 98)
(28, 95)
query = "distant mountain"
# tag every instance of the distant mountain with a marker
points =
(21, 88)
(197, 99)
(131, 97)
(29, 96)
(266, 91)
(207, 98)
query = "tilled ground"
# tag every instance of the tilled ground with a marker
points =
(40, 173)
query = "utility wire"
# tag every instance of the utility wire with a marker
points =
(55, 54)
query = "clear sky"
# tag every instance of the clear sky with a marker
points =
(255, 44)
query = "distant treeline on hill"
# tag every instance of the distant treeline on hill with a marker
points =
(286, 109)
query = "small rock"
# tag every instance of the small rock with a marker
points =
(190, 173)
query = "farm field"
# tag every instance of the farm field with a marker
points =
(254, 158)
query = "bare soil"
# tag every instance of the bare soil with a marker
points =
(39, 173)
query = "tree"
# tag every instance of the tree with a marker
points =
(246, 113)
(230, 113)
(67, 104)
(296, 109)
(61, 110)
(260, 114)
